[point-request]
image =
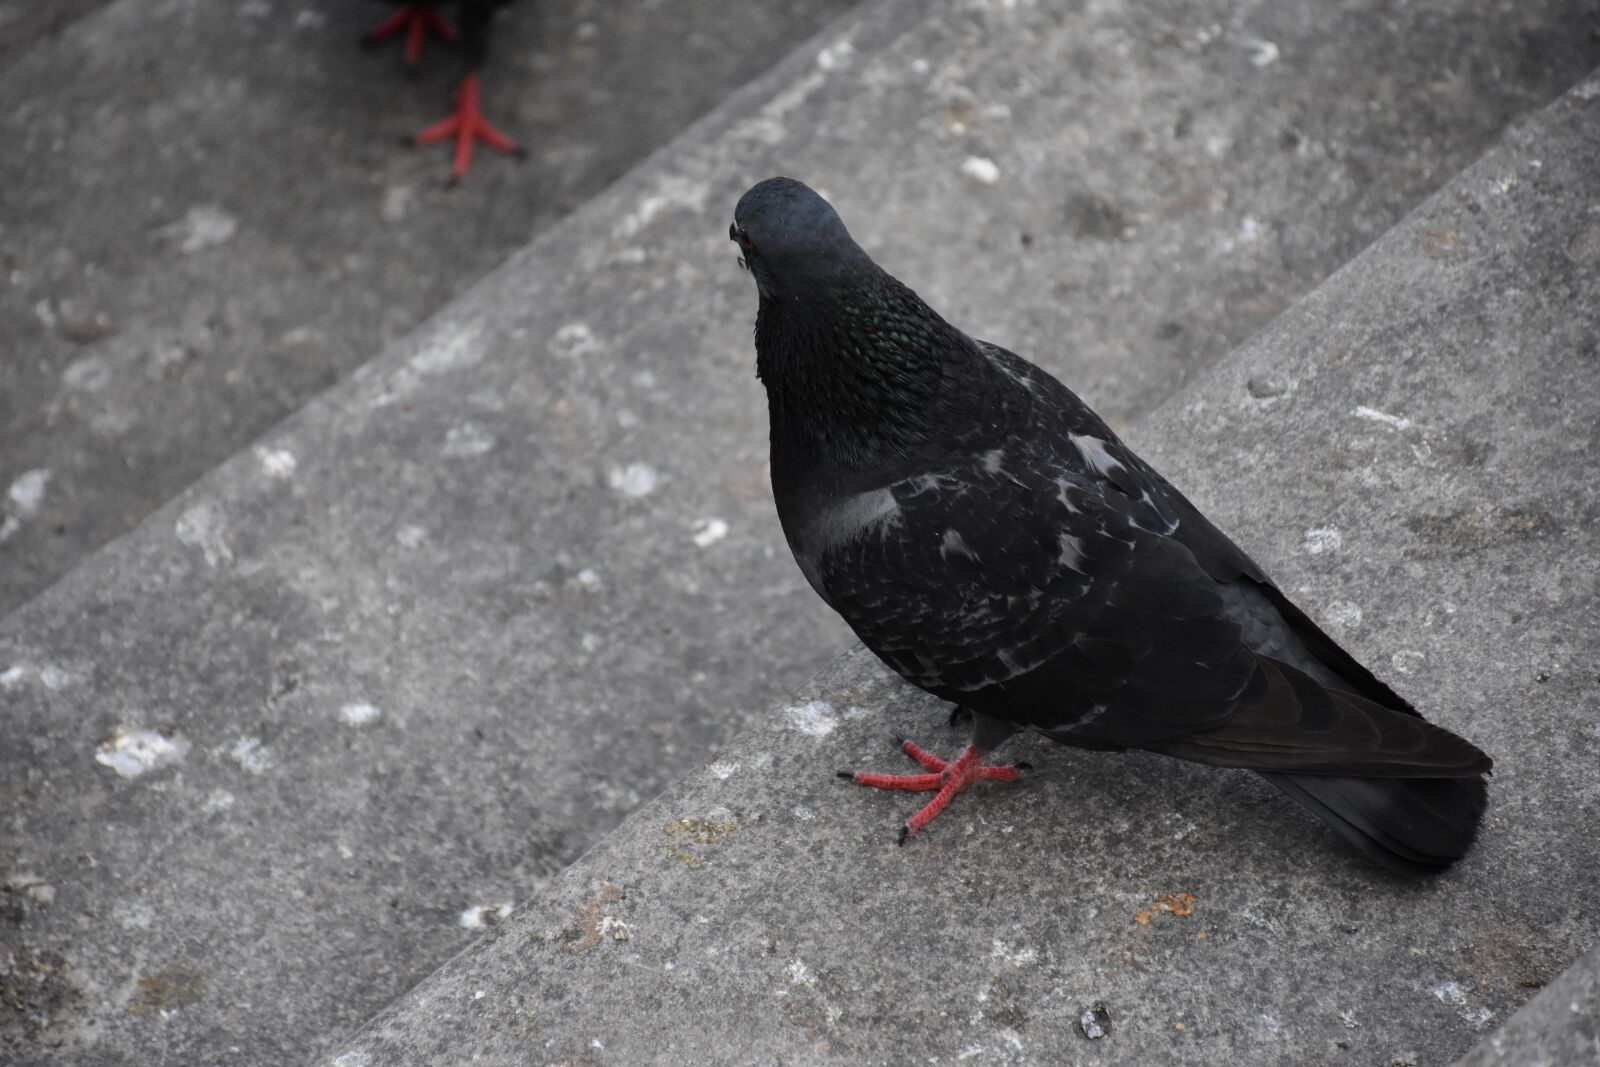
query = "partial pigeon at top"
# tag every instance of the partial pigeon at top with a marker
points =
(466, 125)
(991, 540)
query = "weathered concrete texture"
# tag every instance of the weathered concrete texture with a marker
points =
(1410, 450)
(209, 217)
(1558, 1028)
(24, 23)
(441, 630)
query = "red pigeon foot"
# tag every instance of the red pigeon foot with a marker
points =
(467, 125)
(948, 778)
(413, 20)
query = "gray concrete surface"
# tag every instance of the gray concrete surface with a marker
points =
(414, 651)
(24, 23)
(1420, 477)
(209, 220)
(208, 216)
(1558, 1028)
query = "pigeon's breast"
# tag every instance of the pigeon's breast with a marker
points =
(867, 514)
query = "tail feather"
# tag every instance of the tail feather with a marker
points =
(1413, 825)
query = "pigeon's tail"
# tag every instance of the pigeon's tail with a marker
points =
(1414, 825)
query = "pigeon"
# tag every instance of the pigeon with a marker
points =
(466, 125)
(991, 540)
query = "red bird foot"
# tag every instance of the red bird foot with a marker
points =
(467, 125)
(947, 778)
(413, 20)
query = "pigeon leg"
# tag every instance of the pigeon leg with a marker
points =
(467, 126)
(415, 21)
(943, 779)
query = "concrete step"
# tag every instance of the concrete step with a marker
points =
(294, 740)
(1419, 477)
(209, 217)
(1560, 1026)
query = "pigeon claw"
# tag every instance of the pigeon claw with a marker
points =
(467, 126)
(415, 21)
(943, 778)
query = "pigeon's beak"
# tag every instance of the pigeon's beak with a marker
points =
(740, 238)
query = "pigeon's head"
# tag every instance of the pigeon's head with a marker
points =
(792, 240)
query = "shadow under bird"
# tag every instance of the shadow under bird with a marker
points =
(991, 540)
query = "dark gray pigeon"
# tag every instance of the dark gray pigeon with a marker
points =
(991, 540)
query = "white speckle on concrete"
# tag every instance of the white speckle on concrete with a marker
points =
(250, 754)
(1019, 957)
(632, 255)
(590, 642)
(981, 169)
(277, 462)
(920, 66)
(8, 526)
(804, 814)
(589, 578)
(27, 492)
(309, 19)
(131, 752)
(397, 201)
(634, 480)
(614, 928)
(481, 915)
(217, 800)
(1342, 614)
(12, 677)
(1589, 90)
(135, 916)
(814, 717)
(1321, 539)
(1450, 992)
(202, 526)
(410, 536)
(722, 771)
(836, 55)
(359, 714)
(89, 374)
(1216, 147)
(467, 440)
(54, 677)
(1262, 53)
(1249, 228)
(671, 191)
(708, 532)
(357, 1058)
(1348, 1017)
(1406, 661)
(33, 887)
(799, 974)
(204, 226)
(574, 340)
(1394, 422)
(856, 711)
(453, 346)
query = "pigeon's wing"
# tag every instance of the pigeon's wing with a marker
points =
(1033, 591)
(1273, 624)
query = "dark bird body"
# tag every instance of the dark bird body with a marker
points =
(989, 537)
